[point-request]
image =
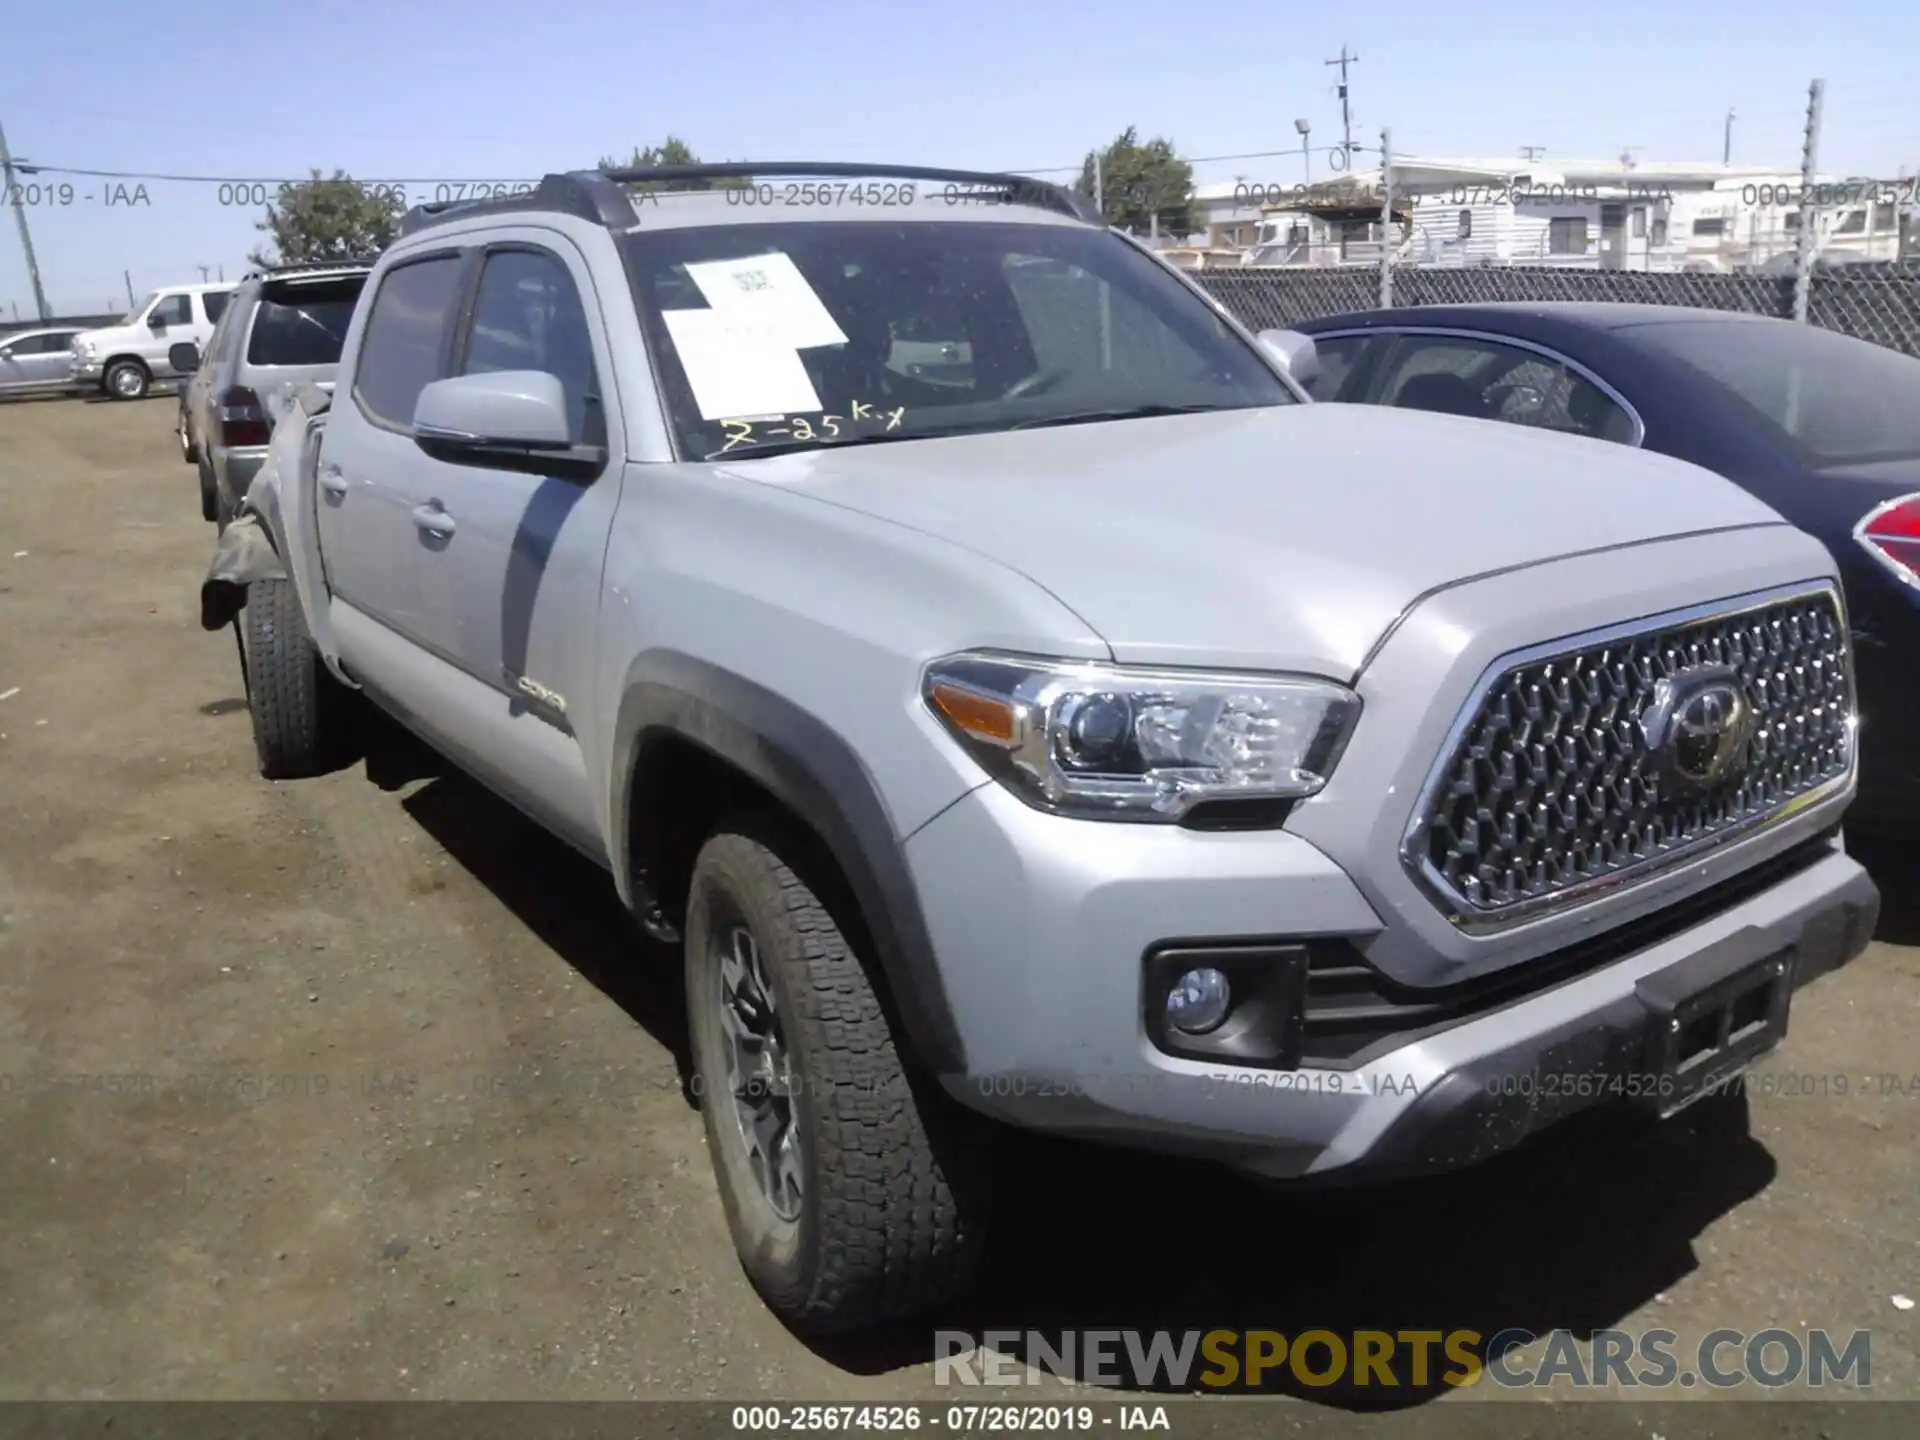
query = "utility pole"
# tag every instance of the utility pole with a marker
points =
(205, 270)
(1386, 219)
(20, 218)
(1346, 114)
(1726, 143)
(127, 275)
(1533, 152)
(1809, 211)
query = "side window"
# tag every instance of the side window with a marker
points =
(400, 351)
(1080, 323)
(37, 345)
(215, 302)
(173, 310)
(1456, 375)
(1339, 358)
(220, 344)
(527, 315)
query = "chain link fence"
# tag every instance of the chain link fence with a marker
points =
(1876, 302)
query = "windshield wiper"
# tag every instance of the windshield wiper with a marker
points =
(1120, 412)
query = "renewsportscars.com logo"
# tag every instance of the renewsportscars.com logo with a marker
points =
(1414, 1359)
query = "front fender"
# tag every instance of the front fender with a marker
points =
(810, 769)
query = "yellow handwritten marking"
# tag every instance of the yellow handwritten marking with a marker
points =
(801, 429)
(832, 422)
(743, 434)
(862, 410)
(894, 417)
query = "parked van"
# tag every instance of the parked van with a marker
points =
(122, 361)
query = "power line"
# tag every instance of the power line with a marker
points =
(158, 177)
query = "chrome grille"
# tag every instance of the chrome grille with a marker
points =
(1550, 789)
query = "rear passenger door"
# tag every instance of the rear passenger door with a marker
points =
(509, 561)
(368, 542)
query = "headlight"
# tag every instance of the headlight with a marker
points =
(83, 349)
(1122, 743)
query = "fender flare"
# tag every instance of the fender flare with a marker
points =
(810, 769)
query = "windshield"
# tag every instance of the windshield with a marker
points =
(772, 337)
(1829, 398)
(137, 311)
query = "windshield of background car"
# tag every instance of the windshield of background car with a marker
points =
(777, 336)
(1829, 398)
(303, 324)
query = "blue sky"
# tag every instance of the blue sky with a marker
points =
(488, 89)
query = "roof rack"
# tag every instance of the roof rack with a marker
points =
(601, 196)
(306, 267)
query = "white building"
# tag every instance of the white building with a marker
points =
(1578, 214)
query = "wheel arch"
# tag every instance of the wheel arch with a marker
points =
(693, 740)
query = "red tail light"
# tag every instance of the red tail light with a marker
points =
(243, 420)
(1891, 534)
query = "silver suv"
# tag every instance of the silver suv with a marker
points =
(283, 326)
(1023, 705)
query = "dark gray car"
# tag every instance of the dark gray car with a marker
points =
(283, 327)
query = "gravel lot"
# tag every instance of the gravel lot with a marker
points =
(365, 1089)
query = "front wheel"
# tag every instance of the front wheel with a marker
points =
(854, 1191)
(126, 380)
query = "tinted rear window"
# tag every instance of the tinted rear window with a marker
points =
(302, 325)
(1829, 397)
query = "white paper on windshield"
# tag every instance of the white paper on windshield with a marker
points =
(737, 369)
(769, 292)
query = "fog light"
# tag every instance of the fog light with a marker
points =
(1198, 1001)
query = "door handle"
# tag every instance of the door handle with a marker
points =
(332, 481)
(430, 519)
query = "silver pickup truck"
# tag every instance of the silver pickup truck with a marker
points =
(1093, 736)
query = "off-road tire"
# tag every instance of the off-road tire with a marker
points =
(209, 495)
(133, 391)
(896, 1177)
(302, 720)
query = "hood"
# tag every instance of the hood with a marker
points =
(1286, 537)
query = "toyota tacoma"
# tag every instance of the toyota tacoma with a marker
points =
(1024, 707)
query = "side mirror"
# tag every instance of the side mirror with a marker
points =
(509, 419)
(157, 320)
(184, 357)
(1294, 353)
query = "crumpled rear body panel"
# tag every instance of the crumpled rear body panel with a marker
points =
(271, 536)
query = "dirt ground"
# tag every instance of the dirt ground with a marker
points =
(361, 1087)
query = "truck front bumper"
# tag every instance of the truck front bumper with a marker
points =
(1051, 991)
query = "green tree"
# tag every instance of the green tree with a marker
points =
(336, 218)
(671, 151)
(1141, 181)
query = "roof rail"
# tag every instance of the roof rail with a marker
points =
(587, 194)
(601, 196)
(1023, 189)
(267, 272)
